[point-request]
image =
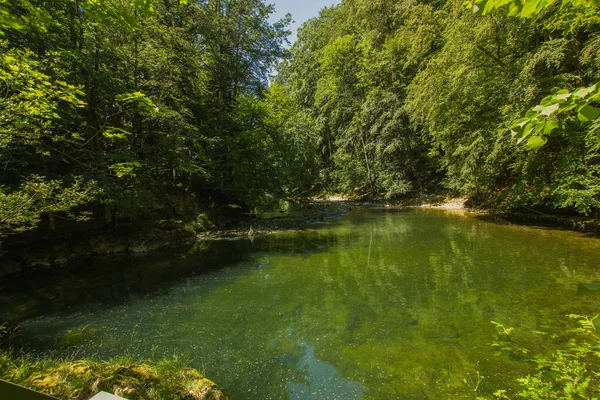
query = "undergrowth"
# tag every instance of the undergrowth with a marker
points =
(569, 372)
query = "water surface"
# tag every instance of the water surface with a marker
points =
(377, 305)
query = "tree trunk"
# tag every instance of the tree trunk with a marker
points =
(362, 138)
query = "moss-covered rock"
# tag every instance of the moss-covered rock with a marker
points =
(79, 380)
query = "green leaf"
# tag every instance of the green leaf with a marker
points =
(563, 96)
(115, 133)
(492, 5)
(530, 8)
(518, 126)
(526, 132)
(584, 92)
(533, 112)
(535, 142)
(588, 113)
(521, 122)
(550, 126)
(548, 100)
(514, 9)
(549, 110)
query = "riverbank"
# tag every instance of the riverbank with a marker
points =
(44, 250)
(300, 216)
(530, 217)
(81, 379)
(441, 203)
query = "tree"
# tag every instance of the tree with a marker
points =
(30, 117)
(158, 105)
(345, 73)
(541, 120)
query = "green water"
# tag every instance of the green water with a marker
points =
(377, 305)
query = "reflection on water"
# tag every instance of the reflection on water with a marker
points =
(378, 305)
(321, 380)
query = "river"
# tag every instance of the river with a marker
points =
(380, 304)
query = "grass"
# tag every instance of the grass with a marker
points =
(78, 380)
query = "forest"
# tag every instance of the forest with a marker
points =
(144, 109)
(125, 112)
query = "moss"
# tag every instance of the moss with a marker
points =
(75, 337)
(167, 380)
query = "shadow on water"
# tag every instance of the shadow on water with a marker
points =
(105, 281)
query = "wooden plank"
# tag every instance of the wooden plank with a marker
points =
(10, 391)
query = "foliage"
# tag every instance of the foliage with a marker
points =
(562, 101)
(154, 102)
(524, 8)
(30, 98)
(569, 372)
(22, 209)
(137, 104)
(543, 119)
(344, 73)
(202, 223)
(405, 95)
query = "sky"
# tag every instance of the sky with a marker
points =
(301, 10)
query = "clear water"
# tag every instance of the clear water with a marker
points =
(377, 305)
